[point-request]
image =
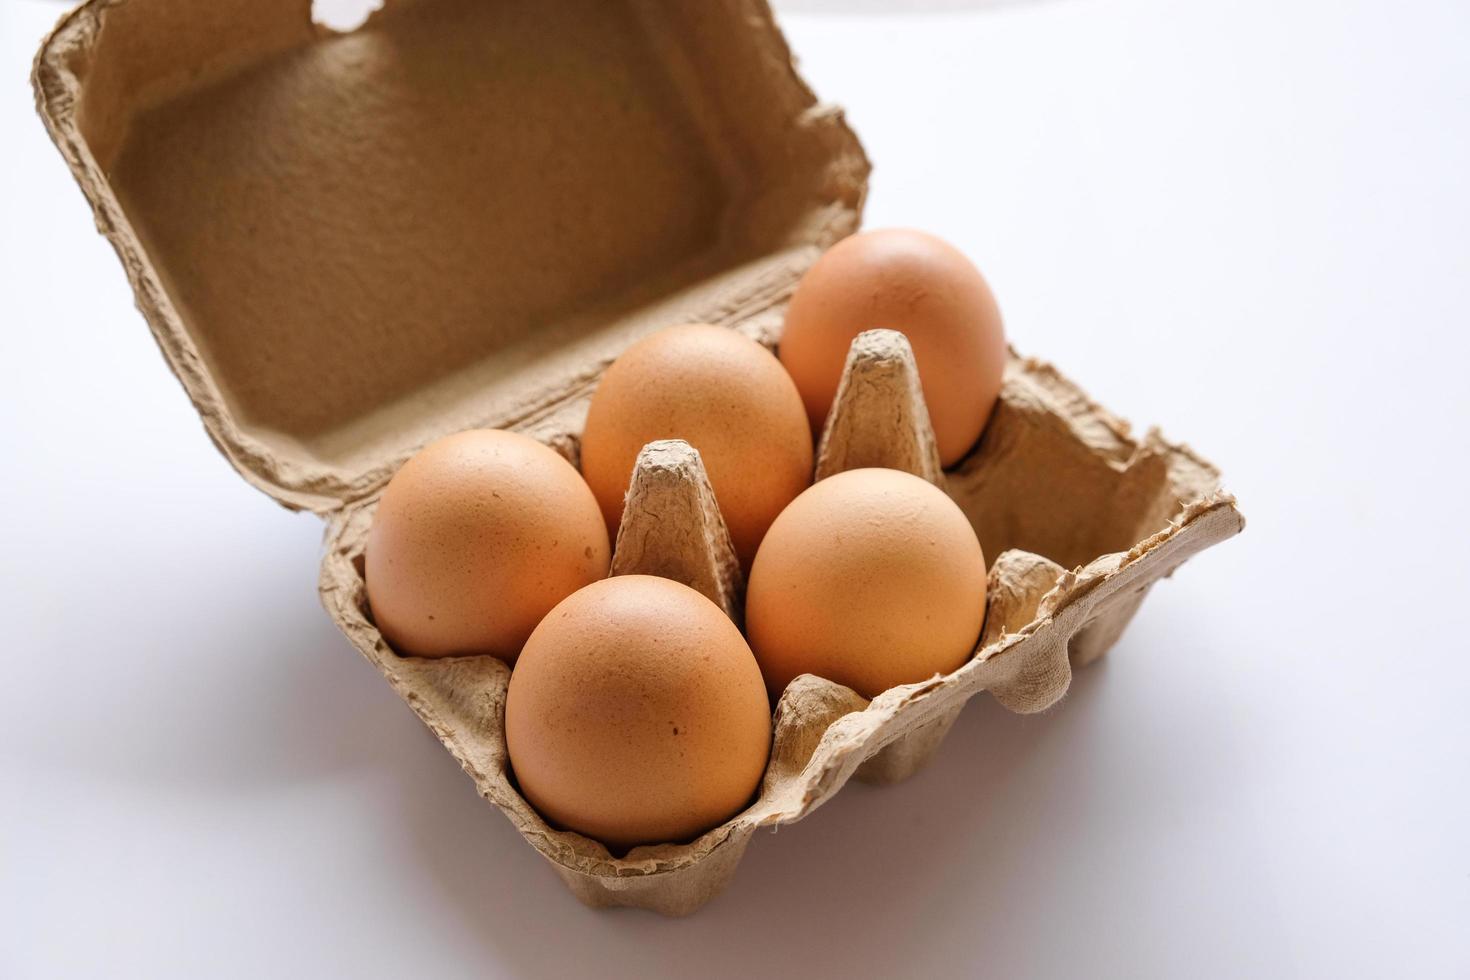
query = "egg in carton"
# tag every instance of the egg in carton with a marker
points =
(1042, 619)
(457, 216)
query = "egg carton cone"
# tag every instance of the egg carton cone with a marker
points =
(672, 527)
(878, 416)
(1042, 618)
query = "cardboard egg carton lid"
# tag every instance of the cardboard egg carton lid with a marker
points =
(454, 216)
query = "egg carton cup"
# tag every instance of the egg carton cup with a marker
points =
(1052, 469)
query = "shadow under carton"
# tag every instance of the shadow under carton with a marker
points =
(456, 216)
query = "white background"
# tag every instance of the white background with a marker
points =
(1249, 221)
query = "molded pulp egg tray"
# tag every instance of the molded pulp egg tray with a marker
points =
(456, 216)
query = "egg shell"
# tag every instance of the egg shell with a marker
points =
(637, 714)
(872, 578)
(476, 537)
(921, 286)
(724, 394)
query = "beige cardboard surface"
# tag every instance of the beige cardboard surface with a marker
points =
(672, 527)
(346, 245)
(880, 384)
(456, 215)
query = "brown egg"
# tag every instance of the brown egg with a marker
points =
(636, 714)
(921, 286)
(473, 542)
(725, 395)
(872, 578)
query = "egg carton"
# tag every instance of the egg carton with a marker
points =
(1043, 618)
(456, 216)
